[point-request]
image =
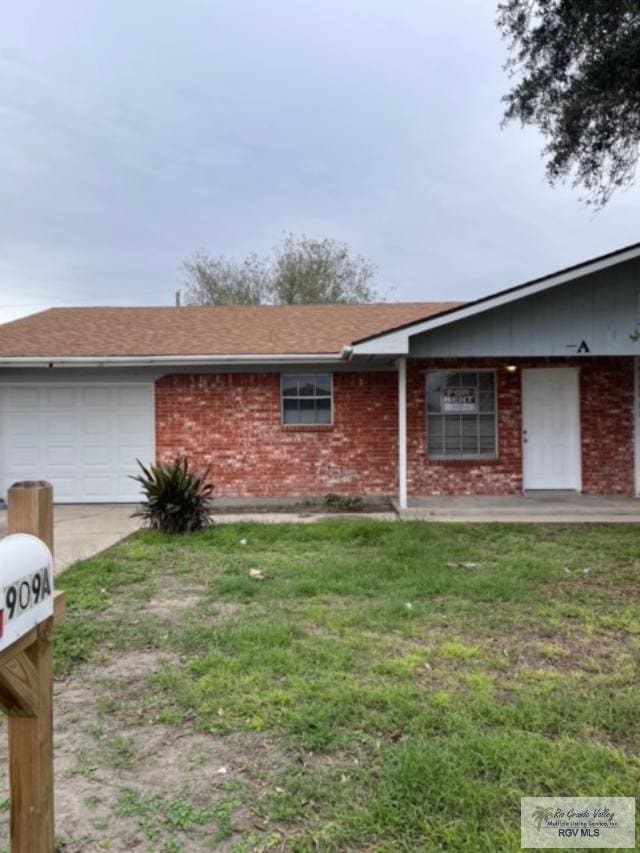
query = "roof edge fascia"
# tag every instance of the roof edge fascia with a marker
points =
(167, 360)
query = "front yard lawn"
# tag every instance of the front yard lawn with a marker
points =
(385, 687)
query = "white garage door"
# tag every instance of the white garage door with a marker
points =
(83, 439)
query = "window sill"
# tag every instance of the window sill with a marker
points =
(462, 460)
(307, 427)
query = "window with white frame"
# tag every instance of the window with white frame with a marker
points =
(307, 398)
(461, 414)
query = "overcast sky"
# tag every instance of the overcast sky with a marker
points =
(134, 132)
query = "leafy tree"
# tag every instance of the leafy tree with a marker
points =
(220, 281)
(299, 271)
(315, 271)
(578, 64)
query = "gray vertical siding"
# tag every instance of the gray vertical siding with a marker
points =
(601, 309)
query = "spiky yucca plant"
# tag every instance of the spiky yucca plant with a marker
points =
(176, 499)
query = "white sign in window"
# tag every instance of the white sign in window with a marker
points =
(458, 400)
(461, 414)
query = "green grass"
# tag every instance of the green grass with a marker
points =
(153, 814)
(419, 678)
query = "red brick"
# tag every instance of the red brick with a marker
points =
(232, 422)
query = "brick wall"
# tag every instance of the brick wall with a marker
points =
(606, 415)
(606, 424)
(232, 421)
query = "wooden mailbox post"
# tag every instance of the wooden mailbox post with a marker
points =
(29, 609)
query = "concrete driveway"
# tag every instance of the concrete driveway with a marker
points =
(80, 531)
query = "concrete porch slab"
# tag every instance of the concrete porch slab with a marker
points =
(531, 507)
(80, 531)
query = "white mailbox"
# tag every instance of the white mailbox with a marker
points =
(26, 586)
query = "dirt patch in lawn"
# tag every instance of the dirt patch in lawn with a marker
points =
(310, 506)
(124, 781)
(158, 786)
(173, 602)
(171, 608)
(600, 588)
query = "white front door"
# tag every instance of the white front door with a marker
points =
(550, 428)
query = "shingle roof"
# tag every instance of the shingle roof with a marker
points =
(202, 331)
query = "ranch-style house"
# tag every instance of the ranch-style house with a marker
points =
(531, 388)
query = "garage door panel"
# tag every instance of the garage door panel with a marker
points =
(60, 397)
(65, 438)
(60, 457)
(64, 488)
(60, 423)
(132, 451)
(128, 397)
(27, 458)
(98, 488)
(25, 424)
(23, 397)
(96, 423)
(97, 455)
(97, 397)
(51, 443)
(83, 439)
(131, 423)
(127, 489)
